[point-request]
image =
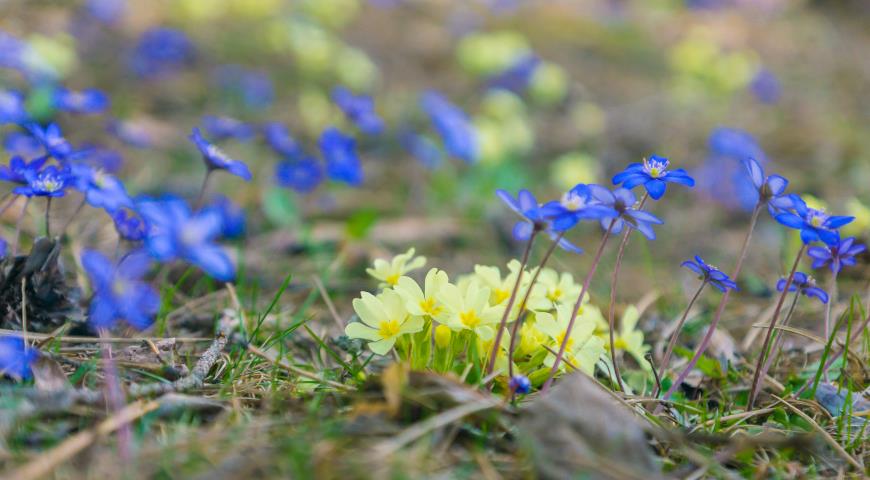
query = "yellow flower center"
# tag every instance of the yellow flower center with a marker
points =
(442, 336)
(388, 328)
(469, 319)
(561, 338)
(428, 305)
(554, 295)
(816, 221)
(620, 343)
(654, 172)
(393, 279)
(501, 295)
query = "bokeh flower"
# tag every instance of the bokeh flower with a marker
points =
(12, 108)
(87, 101)
(16, 357)
(359, 109)
(160, 52)
(339, 152)
(577, 204)
(223, 127)
(279, 139)
(19, 170)
(119, 291)
(101, 190)
(813, 224)
(216, 159)
(302, 175)
(129, 226)
(48, 182)
(453, 126)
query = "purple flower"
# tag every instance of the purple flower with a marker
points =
(303, 175)
(516, 77)
(836, 256)
(342, 162)
(160, 52)
(622, 202)
(119, 292)
(16, 357)
(129, 226)
(48, 182)
(804, 285)
(710, 274)
(101, 190)
(254, 87)
(768, 189)
(359, 109)
(12, 107)
(520, 384)
(216, 159)
(19, 170)
(527, 207)
(576, 204)
(765, 86)
(52, 140)
(723, 175)
(279, 138)
(23, 144)
(453, 126)
(814, 224)
(422, 148)
(174, 232)
(232, 216)
(130, 133)
(106, 11)
(87, 101)
(653, 174)
(221, 128)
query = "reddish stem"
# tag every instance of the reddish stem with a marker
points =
(673, 342)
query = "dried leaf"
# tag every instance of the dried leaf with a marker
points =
(48, 376)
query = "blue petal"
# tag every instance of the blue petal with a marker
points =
(838, 221)
(756, 174)
(679, 176)
(828, 236)
(522, 231)
(777, 184)
(790, 220)
(635, 180)
(656, 188)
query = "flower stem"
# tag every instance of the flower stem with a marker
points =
(48, 217)
(203, 189)
(577, 306)
(831, 300)
(611, 321)
(72, 217)
(497, 343)
(777, 341)
(515, 328)
(673, 341)
(18, 226)
(8, 204)
(702, 347)
(759, 369)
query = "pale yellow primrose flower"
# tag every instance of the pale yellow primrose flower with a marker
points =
(583, 349)
(501, 288)
(469, 309)
(423, 302)
(384, 319)
(553, 289)
(531, 338)
(390, 272)
(630, 339)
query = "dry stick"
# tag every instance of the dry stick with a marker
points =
(611, 320)
(515, 329)
(577, 306)
(702, 347)
(676, 333)
(759, 369)
(47, 336)
(327, 301)
(47, 462)
(196, 378)
(507, 312)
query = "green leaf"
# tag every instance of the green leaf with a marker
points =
(361, 222)
(280, 207)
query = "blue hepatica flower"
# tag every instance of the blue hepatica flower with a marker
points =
(359, 109)
(16, 357)
(814, 224)
(804, 285)
(520, 384)
(23, 144)
(12, 51)
(576, 204)
(101, 190)
(453, 126)
(216, 159)
(221, 128)
(12, 107)
(254, 87)
(765, 86)
(622, 203)
(129, 226)
(119, 292)
(18, 171)
(303, 175)
(710, 274)
(722, 175)
(422, 148)
(769, 189)
(130, 133)
(52, 140)
(533, 214)
(232, 216)
(174, 232)
(48, 182)
(4, 248)
(87, 101)
(516, 77)
(836, 256)
(653, 174)
(279, 139)
(106, 11)
(342, 162)
(160, 52)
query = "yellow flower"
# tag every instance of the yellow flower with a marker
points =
(583, 349)
(442, 336)
(531, 338)
(553, 289)
(468, 309)
(390, 272)
(423, 302)
(630, 339)
(384, 319)
(500, 288)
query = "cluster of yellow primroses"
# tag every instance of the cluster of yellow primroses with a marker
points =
(450, 326)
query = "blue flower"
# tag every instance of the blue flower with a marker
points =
(174, 232)
(710, 274)
(279, 138)
(130, 133)
(303, 175)
(48, 182)
(339, 152)
(527, 207)
(16, 357)
(232, 216)
(12, 51)
(87, 101)
(52, 140)
(769, 189)
(221, 128)
(422, 148)
(836, 256)
(653, 174)
(577, 204)
(19, 170)
(160, 52)
(359, 109)
(12, 107)
(804, 285)
(129, 226)
(119, 292)
(517, 76)
(216, 159)
(722, 175)
(814, 224)
(4, 248)
(520, 384)
(765, 86)
(101, 190)
(622, 201)
(254, 87)
(453, 126)
(21, 143)
(106, 11)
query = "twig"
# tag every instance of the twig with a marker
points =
(328, 301)
(74, 339)
(827, 436)
(194, 380)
